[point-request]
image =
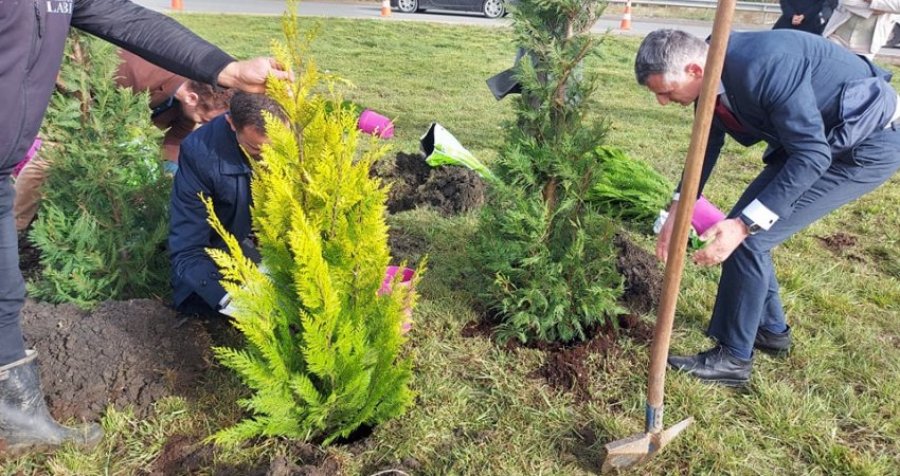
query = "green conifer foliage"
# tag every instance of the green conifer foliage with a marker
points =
(103, 220)
(547, 248)
(323, 354)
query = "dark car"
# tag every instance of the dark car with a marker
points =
(490, 8)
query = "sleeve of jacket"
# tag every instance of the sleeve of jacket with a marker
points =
(189, 233)
(890, 6)
(152, 36)
(713, 148)
(786, 96)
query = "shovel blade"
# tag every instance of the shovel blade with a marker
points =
(634, 450)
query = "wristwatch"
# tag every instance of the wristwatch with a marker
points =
(752, 227)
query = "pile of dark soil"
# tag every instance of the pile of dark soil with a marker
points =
(29, 258)
(448, 189)
(122, 353)
(566, 366)
(643, 277)
(187, 455)
(838, 242)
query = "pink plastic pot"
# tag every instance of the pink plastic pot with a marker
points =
(705, 215)
(406, 277)
(375, 124)
(28, 156)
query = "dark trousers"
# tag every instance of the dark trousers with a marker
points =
(748, 295)
(12, 286)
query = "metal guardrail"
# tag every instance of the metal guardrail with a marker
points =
(758, 7)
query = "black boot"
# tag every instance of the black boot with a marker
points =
(25, 423)
(716, 365)
(772, 343)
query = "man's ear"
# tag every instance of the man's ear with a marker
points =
(230, 122)
(191, 98)
(694, 70)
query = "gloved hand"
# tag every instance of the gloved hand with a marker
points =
(226, 305)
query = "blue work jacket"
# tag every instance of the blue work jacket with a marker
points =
(211, 163)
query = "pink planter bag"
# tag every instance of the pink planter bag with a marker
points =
(405, 280)
(705, 215)
(28, 156)
(375, 124)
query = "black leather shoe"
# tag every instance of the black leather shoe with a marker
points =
(772, 343)
(716, 365)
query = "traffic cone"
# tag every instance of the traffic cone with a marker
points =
(385, 8)
(177, 5)
(625, 24)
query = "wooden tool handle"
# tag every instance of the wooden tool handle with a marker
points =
(689, 184)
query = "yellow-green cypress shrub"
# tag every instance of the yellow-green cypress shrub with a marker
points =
(323, 353)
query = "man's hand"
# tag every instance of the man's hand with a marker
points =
(797, 19)
(250, 75)
(665, 234)
(724, 238)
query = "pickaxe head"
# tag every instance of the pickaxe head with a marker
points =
(629, 452)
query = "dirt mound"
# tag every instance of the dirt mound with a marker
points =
(643, 278)
(566, 366)
(451, 190)
(187, 455)
(838, 242)
(123, 353)
(29, 258)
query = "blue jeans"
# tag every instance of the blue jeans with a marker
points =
(748, 295)
(12, 286)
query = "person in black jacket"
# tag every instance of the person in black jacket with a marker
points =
(215, 162)
(32, 37)
(805, 15)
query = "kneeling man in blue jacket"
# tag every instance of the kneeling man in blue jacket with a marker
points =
(829, 119)
(214, 161)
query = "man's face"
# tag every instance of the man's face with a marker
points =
(251, 139)
(683, 89)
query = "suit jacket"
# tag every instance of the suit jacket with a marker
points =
(210, 163)
(140, 75)
(805, 95)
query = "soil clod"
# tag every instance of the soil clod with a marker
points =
(643, 278)
(838, 242)
(449, 189)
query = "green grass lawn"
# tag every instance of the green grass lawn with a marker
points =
(831, 407)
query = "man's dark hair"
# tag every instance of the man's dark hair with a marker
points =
(667, 52)
(209, 97)
(246, 110)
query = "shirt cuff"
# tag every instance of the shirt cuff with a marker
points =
(225, 300)
(760, 215)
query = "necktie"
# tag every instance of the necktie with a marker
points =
(727, 117)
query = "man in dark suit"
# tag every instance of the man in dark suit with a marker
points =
(804, 15)
(214, 161)
(828, 117)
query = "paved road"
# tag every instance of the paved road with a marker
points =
(355, 9)
(352, 9)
